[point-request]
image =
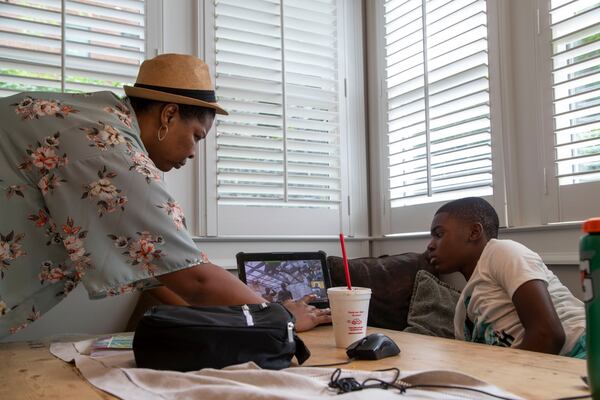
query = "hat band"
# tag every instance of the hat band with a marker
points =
(204, 95)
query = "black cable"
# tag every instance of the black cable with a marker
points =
(330, 365)
(389, 369)
(585, 396)
(343, 385)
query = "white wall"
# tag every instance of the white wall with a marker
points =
(79, 315)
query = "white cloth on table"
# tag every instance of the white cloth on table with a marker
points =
(116, 374)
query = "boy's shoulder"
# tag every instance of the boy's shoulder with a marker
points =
(507, 248)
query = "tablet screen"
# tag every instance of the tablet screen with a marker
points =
(280, 280)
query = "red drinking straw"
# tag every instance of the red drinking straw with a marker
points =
(348, 282)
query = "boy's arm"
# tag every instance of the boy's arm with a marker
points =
(543, 330)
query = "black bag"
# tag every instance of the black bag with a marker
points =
(190, 338)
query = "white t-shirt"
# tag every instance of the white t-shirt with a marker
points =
(485, 312)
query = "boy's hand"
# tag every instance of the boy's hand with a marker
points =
(307, 316)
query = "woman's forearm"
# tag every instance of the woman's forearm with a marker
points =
(208, 284)
(164, 295)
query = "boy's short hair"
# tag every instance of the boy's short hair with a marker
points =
(474, 210)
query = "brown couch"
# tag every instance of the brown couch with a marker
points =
(391, 280)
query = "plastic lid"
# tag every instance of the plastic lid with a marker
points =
(592, 225)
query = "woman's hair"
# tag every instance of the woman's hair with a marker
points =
(186, 111)
(474, 209)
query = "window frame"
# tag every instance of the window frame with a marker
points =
(567, 203)
(352, 216)
(152, 35)
(416, 218)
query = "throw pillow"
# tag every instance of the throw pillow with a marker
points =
(390, 279)
(431, 310)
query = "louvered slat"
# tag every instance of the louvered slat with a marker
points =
(439, 133)
(575, 29)
(276, 73)
(109, 21)
(103, 46)
(30, 43)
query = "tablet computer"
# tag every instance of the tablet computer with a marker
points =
(283, 276)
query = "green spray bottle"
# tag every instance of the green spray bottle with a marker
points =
(589, 266)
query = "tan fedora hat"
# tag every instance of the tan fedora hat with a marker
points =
(175, 78)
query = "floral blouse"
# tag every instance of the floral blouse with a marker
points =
(80, 201)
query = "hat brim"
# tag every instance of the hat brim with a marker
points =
(171, 98)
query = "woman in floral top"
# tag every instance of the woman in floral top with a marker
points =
(82, 196)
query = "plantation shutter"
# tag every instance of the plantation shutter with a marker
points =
(100, 48)
(575, 27)
(438, 116)
(570, 51)
(277, 75)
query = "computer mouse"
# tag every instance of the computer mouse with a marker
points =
(373, 347)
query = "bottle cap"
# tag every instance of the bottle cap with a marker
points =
(591, 225)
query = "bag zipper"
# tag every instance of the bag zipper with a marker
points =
(163, 322)
(248, 315)
(290, 331)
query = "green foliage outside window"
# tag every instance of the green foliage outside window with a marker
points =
(53, 81)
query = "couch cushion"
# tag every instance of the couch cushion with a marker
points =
(391, 280)
(432, 305)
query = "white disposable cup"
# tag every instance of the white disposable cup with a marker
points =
(349, 313)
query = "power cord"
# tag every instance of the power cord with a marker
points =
(345, 385)
(331, 365)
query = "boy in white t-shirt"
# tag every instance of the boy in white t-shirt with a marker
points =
(511, 298)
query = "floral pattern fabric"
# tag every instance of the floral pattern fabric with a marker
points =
(80, 201)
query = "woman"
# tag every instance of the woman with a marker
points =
(84, 199)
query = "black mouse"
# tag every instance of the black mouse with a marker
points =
(373, 347)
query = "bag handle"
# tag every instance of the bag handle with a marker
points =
(302, 353)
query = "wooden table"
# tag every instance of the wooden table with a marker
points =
(525, 373)
(29, 371)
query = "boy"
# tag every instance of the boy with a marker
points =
(511, 298)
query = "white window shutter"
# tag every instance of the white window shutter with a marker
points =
(280, 144)
(102, 47)
(570, 51)
(278, 152)
(31, 41)
(311, 103)
(439, 131)
(575, 27)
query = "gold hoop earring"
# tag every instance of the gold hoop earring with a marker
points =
(162, 137)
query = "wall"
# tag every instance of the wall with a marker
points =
(79, 315)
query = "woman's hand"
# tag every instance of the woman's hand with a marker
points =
(307, 316)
